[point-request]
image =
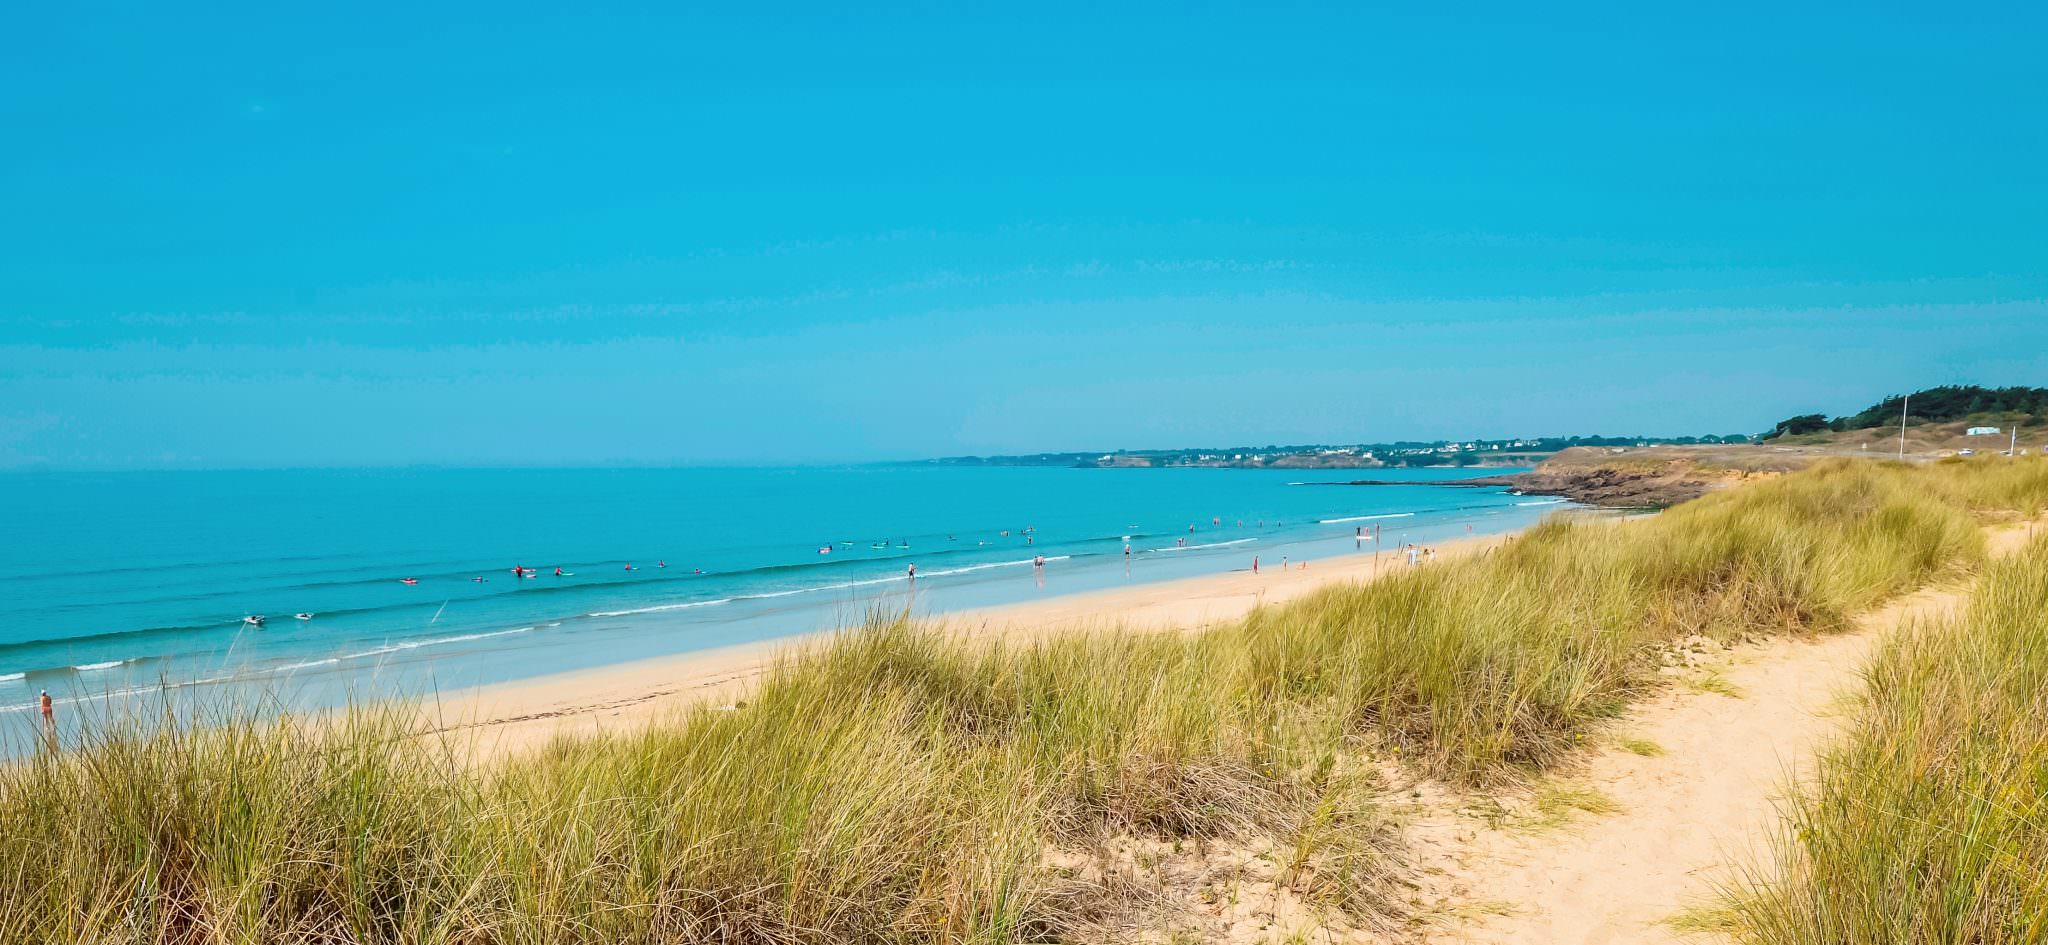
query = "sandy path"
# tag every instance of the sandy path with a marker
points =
(1686, 817)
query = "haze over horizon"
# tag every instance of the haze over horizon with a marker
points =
(504, 236)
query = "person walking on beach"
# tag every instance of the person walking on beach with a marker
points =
(49, 719)
(1413, 556)
(1255, 564)
(912, 572)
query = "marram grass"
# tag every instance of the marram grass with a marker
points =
(902, 784)
(1929, 822)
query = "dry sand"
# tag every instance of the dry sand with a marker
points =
(519, 715)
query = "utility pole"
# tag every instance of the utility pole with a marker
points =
(1902, 426)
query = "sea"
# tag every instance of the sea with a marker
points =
(418, 582)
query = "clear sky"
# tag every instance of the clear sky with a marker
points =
(421, 233)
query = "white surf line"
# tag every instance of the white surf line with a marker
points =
(1217, 544)
(1364, 518)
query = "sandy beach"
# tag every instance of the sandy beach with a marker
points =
(519, 715)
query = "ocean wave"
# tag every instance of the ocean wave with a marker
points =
(10, 677)
(390, 648)
(658, 608)
(1544, 502)
(309, 664)
(1364, 518)
(92, 667)
(834, 586)
(992, 564)
(1213, 544)
(436, 641)
(179, 566)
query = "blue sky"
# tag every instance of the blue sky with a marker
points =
(499, 234)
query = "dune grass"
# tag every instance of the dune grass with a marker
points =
(903, 784)
(1929, 823)
(1638, 745)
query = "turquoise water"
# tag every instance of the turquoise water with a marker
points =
(120, 581)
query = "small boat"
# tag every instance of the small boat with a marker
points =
(408, 581)
(302, 616)
(824, 549)
(253, 620)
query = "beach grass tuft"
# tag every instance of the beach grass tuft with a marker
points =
(1637, 745)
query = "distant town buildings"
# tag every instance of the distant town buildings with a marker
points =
(1517, 451)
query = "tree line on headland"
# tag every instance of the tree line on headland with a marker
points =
(1935, 404)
